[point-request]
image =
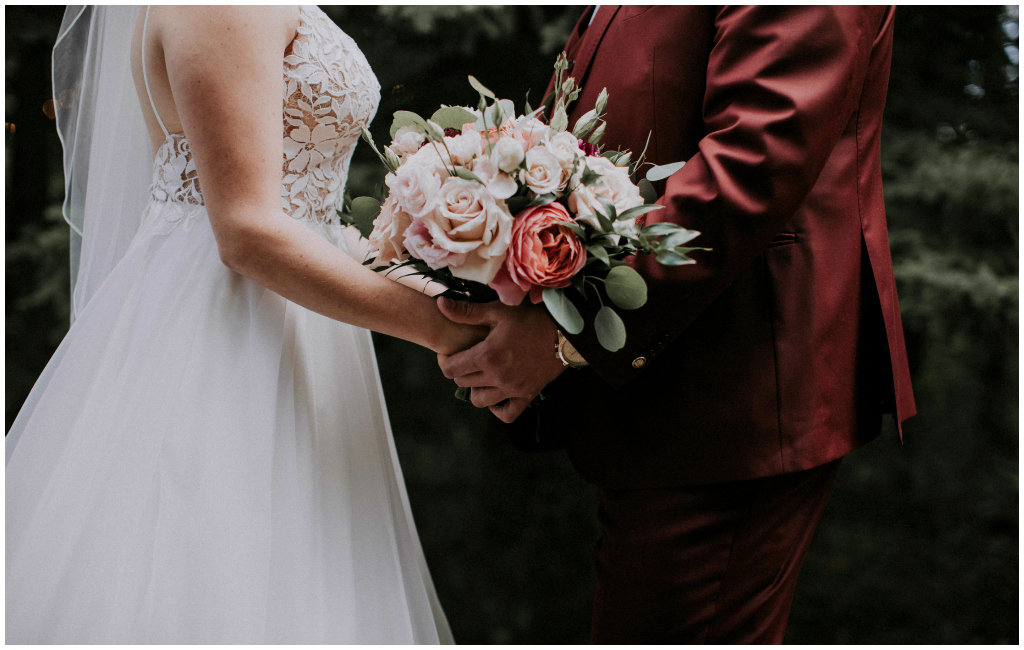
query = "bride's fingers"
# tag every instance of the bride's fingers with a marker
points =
(463, 363)
(473, 380)
(486, 396)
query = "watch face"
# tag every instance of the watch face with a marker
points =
(572, 356)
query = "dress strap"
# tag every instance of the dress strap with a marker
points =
(145, 77)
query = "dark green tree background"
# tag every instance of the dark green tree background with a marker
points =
(919, 542)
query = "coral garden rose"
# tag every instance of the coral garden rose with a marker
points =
(468, 220)
(543, 173)
(542, 253)
(415, 186)
(407, 141)
(421, 245)
(389, 230)
(615, 188)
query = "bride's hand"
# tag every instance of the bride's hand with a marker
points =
(456, 337)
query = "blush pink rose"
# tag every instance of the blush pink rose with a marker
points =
(542, 254)
(388, 231)
(421, 245)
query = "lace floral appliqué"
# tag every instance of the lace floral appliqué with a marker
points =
(174, 175)
(329, 91)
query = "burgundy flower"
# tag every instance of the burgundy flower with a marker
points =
(451, 133)
(589, 149)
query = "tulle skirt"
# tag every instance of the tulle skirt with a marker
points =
(203, 461)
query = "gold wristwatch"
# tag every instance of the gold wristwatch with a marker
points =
(567, 354)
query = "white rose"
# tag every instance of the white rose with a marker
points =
(615, 188)
(415, 187)
(464, 147)
(499, 184)
(543, 173)
(507, 154)
(565, 147)
(407, 141)
(469, 221)
(431, 156)
(389, 228)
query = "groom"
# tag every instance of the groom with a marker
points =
(716, 433)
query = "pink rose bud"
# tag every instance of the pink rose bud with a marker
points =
(542, 254)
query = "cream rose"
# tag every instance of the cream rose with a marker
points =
(507, 154)
(464, 148)
(469, 221)
(543, 173)
(499, 184)
(533, 132)
(415, 187)
(615, 188)
(407, 141)
(388, 234)
(431, 156)
(565, 147)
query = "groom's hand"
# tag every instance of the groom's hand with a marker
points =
(515, 362)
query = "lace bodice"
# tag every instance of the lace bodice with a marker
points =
(329, 90)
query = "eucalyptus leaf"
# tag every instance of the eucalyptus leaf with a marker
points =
(660, 228)
(364, 210)
(480, 88)
(661, 172)
(611, 331)
(647, 191)
(678, 238)
(579, 282)
(626, 287)
(517, 204)
(671, 258)
(542, 199)
(609, 208)
(407, 118)
(637, 211)
(452, 117)
(563, 311)
(606, 223)
(599, 252)
(573, 226)
(464, 173)
(590, 178)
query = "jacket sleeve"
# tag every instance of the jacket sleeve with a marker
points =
(782, 84)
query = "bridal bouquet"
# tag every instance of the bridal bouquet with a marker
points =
(492, 204)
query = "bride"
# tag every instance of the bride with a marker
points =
(207, 457)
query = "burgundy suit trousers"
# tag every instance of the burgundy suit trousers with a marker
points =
(706, 564)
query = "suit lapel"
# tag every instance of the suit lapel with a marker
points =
(591, 39)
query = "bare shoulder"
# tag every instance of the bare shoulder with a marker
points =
(212, 25)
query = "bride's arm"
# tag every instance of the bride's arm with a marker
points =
(224, 67)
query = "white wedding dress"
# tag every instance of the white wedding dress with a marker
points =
(203, 461)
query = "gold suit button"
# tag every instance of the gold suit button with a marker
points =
(639, 362)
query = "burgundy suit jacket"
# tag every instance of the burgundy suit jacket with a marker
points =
(782, 347)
